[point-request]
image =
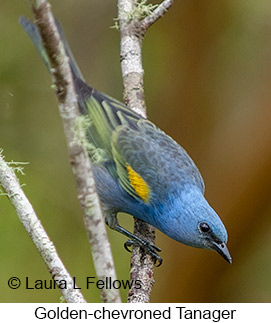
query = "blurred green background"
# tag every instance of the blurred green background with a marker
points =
(207, 82)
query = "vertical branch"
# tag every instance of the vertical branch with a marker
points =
(131, 57)
(132, 31)
(38, 235)
(81, 166)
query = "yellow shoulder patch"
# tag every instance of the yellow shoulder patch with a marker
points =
(138, 184)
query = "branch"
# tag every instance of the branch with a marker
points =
(34, 228)
(81, 166)
(132, 31)
(156, 14)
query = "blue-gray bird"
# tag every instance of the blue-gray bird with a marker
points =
(142, 171)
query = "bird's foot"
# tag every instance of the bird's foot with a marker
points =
(150, 248)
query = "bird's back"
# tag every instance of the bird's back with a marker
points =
(132, 142)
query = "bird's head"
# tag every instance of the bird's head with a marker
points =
(192, 221)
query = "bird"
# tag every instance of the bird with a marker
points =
(140, 170)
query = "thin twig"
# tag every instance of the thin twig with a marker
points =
(156, 14)
(81, 166)
(132, 31)
(38, 235)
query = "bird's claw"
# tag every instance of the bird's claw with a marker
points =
(149, 247)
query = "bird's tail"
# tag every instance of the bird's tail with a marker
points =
(104, 112)
(33, 33)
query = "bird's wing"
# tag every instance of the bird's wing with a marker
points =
(147, 162)
(150, 164)
(135, 161)
(116, 129)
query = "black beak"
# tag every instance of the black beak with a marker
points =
(222, 249)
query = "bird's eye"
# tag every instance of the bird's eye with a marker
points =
(204, 227)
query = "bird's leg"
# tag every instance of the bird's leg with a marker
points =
(112, 221)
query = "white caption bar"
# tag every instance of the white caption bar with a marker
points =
(190, 312)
